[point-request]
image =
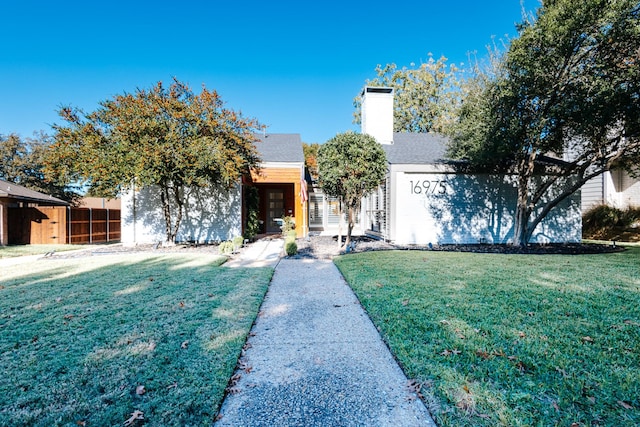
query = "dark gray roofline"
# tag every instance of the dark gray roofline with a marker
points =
(18, 192)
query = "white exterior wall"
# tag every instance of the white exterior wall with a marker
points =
(629, 191)
(441, 207)
(210, 215)
(592, 193)
(615, 188)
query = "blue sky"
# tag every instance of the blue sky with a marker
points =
(295, 66)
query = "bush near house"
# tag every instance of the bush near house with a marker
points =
(608, 223)
(291, 248)
(290, 245)
(510, 340)
(225, 247)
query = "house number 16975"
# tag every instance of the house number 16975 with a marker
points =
(427, 187)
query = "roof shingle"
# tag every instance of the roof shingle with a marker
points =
(416, 148)
(280, 147)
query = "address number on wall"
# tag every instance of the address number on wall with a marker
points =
(429, 187)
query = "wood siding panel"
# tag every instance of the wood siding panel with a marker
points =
(276, 175)
(592, 193)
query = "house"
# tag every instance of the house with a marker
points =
(615, 188)
(218, 214)
(27, 216)
(426, 200)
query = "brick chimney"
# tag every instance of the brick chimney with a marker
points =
(377, 113)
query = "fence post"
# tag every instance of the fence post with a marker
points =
(108, 225)
(90, 225)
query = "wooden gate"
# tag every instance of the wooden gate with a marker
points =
(42, 225)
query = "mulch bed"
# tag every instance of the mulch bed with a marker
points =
(533, 249)
(318, 246)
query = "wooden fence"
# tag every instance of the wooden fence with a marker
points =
(87, 225)
(51, 225)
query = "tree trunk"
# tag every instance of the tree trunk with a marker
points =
(166, 210)
(521, 231)
(179, 203)
(350, 210)
(340, 223)
(171, 227)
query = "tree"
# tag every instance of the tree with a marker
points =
(165, 137)
(22, 162)
(311, 159)
(563, 106)
(351, 165)
(425, 98)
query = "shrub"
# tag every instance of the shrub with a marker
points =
(288, 224)
(601, 221)
(237, 242)
(291, 248)
(225, 247)
(604, 216)
(290, 236)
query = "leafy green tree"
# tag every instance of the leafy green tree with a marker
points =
(167, 137)
(22, 162)
(562, 107)
(350, 166)
(426, 96)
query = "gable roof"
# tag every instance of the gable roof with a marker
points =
(18, 192)
(280, 147)
(416, 148)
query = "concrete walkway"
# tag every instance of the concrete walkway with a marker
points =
(315, 359)
(262, 253)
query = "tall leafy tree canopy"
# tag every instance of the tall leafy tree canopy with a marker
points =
(167, 137)
(22, 162)
(350, 166)
(426, 96)
(563, 105)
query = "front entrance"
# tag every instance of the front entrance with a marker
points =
(275, 210)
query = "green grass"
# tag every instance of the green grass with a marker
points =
(510, 340)
(78, 336)
(22, 250)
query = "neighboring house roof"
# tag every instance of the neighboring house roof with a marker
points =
(280, 147)
(18, 192)
(416, 148)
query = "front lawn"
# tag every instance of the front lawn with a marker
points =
(89, 341)
(22, 250)
(513, 340)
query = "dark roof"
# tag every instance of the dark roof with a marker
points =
(18, 192)
(280, 147)
(416, 148)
